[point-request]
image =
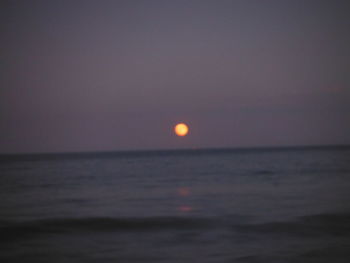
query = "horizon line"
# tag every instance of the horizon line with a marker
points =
(193, 149)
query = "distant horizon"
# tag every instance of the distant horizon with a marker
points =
(306, 146)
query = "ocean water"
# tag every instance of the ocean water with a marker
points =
(243, 205)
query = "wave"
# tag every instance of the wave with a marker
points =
(314, 225)
(311, 225)
(71, 225)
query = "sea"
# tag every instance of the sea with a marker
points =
(199, 205)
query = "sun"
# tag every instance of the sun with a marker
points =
(181, 129)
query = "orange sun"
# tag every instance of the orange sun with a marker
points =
(181, 129)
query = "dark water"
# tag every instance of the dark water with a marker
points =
(262, 205)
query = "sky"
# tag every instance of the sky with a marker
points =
(118, 75)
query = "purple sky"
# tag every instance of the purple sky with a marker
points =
(118, 75)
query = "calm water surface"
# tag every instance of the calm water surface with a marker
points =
(257, 205)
